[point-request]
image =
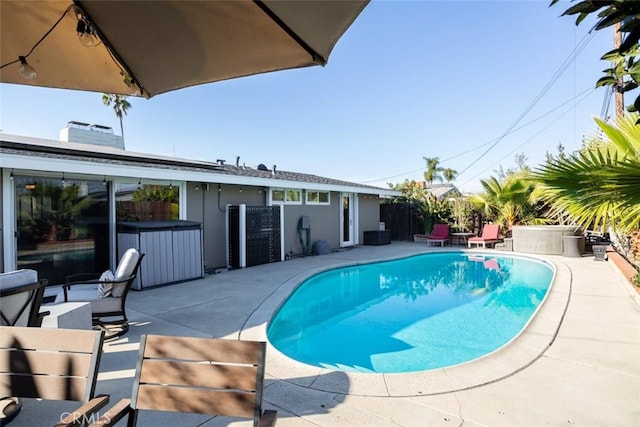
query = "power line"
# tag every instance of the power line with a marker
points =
(590, 89)
(563, 67)
(527, 141)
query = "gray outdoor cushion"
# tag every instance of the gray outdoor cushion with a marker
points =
(11, 304)
(18, 278)
(89, 293)
(125, 269)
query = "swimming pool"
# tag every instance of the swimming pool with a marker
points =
(413, 314)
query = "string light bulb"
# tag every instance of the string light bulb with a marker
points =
(26, 71)
(11, 175)
(85, 34)
(62, 181)
(86, 39)
(74, 12)
(139, 184)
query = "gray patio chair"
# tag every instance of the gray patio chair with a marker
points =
(108, 311)
(21, 296)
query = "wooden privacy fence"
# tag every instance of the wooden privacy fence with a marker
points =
(146, 210)
(402, 220)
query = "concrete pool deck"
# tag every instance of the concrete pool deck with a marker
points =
(578, 361)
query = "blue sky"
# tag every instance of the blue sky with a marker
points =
(409, 79)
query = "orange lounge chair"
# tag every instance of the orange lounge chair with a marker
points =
(440, 234)
(490, 235)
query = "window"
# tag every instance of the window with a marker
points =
(147, 202)
(277, 196)
(63, 226)
(318, 197)
(293, 196)
(287, 196)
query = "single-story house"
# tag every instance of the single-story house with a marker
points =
(63, 202)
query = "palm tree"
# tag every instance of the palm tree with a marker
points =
(509, 202)
(599, 186)
(434, 171)
(449, 174)
(120, 106)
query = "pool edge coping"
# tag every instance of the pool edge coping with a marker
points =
(523, 350)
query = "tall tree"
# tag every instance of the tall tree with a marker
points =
(434, 171)
(120, 105)
(449, 174)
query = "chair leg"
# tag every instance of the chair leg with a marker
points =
(112, 329)
(10, 407)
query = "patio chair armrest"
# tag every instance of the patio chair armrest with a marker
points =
(82, 277)
(68, 286)
(268, 418)
(85, 412)
(114, 414)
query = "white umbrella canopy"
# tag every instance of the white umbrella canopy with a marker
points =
(146, 48)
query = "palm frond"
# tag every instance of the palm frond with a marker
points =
(593, 188)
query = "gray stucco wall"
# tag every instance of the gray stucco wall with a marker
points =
(368, 214)
(208, 207)
(324, 221)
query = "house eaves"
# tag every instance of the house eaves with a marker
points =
(56, 156)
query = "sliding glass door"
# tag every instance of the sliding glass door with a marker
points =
(62, 226)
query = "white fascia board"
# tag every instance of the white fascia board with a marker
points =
(301, 185)
(72, 167)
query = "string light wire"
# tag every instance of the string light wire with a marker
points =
(124, 70)
(38, 42)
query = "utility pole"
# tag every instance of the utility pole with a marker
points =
(619, 96)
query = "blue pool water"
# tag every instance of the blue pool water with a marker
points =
(414, 314)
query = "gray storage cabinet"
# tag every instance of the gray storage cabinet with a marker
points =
(173, 250)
